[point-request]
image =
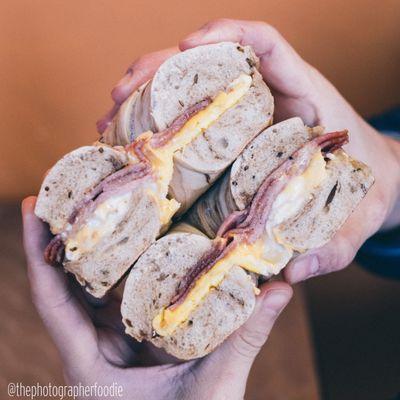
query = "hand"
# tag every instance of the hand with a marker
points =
(90, 337)
(300, 90)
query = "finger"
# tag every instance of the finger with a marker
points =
(248, 340)
(69, 326)
(281, 67)
(342, 248)
(103, 123)
(237, 354)
(140, 72)
(137, 74)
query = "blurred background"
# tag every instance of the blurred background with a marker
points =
(339, 339)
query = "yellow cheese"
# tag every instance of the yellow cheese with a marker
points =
(162, 158)
(167, 207)
(265, 256)
(170, 318)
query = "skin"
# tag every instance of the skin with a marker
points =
(89, 334)
(93, 347)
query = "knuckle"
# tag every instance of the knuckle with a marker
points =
(268, 29)
(340, 255)
(142, 64)
(137, 61)
(115, 94)
(219, 23)
(249, 342)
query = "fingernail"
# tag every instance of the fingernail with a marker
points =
(303, 268)
(121, 90)
(102, 124)
(28, 204)
(276, 300)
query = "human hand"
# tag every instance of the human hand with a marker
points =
(300, 90)
(94, 349)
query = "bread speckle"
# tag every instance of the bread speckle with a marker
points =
(128, 322)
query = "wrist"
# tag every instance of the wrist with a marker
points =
(392, 219)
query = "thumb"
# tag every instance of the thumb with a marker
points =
(236, 355)
(238, 352)
(65, 319)
(246, 342)
(339, 252)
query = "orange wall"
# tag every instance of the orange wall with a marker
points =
(59, 60)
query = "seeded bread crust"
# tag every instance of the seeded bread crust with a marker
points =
(331, 204)
(71, 178)
(230, 134)
(111, 258)
(195, 74)
(154, 281)
(264, 154)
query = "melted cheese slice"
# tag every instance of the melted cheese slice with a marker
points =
(266, 256)
(162, 158)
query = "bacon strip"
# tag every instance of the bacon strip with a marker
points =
(232, 221)
(201, 267)
(332, 141)
(247, 225)
(54, 252)
(110, 184)
(161, 138)
(117, 183)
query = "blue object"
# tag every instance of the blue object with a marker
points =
(381, 253)
(388, 121)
